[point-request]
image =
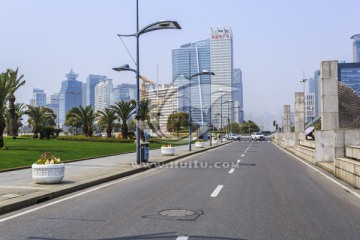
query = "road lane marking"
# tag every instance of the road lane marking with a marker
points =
(217, 191)
(182, 238)
(242, 155)
(321, 173)
(238, 161)
(232, 170)
(95, 188)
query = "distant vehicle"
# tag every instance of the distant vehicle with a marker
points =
(234, 137)
(257, 136)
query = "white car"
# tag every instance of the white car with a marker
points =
(257, 136)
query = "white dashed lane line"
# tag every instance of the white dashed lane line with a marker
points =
(217, 191)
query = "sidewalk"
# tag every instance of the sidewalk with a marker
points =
(18, 190)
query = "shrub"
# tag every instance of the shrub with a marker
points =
(94, 139)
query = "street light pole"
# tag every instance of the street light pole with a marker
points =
(149, 28)
(204, 72)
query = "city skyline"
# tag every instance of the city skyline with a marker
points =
(274, 42)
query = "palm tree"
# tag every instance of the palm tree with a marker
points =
(144, 114)
(124, 110)
(19, 111)
(40, 117)
(5, 87)
(87, 116)
(16, 83)
(107, 118)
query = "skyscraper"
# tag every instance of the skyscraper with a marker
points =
(102, 94)
(70, 94)
(221, 61)
(124, 91)
(238, 97)
(39, 98)
(187, 60)
(356, 47)
(349, 73)
(91, 82)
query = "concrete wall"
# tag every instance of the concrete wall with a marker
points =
(287, 126)
(329, 100)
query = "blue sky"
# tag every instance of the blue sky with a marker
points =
(274, 41)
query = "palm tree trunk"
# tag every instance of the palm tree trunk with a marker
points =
(12, 116)
(108, 132)
(124, 130)
(2, 128)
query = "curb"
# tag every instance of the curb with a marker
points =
(43, 196)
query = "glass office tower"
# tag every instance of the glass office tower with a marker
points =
(221, 60)
(349, 73)
(187, 60)
(70, 94)
(356, 47)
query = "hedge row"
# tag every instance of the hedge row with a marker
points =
(94, 139)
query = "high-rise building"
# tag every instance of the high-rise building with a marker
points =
(83, 100)
(91, 82)
(39, 98)
(221, 61)
(53, 104)
(124, 91)
(238, 98)
(102, 94)
(310, 107)
(356, 47)
(70, 94)
(164, 101)
(188, 60)
(349, 73)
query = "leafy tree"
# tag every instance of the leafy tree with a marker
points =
(124, 110)
(72, 121)
(249, 127)
(5, 89)
(107, 118)
(234, 128)
(87, 116)
(177, 121)
(40, 117)
(16, 83)
(144, 114)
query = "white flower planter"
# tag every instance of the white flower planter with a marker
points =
(48, 173)
(215, 142)
(167, 151)
(199, 144)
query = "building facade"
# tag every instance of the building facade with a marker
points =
(237, 86)
(102, 94)
(356, 47)
(349, 73)
(70, 94)
(221, 61)
(91, 82)
(123, 92)
(310, 107)
(38, 98)
(164, 100)
(188, 60)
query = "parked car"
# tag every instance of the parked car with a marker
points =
(257, 136)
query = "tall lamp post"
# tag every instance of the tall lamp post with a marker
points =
(303, 81)
(204, 72)
(160, 25)
(228, 130)
(220, 91)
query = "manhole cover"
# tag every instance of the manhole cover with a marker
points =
(177, 213)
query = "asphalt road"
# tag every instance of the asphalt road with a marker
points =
(268, 195)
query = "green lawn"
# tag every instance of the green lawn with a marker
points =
(24, 152)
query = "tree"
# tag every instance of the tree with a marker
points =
(40, 117)
(72, 121)
(177, 121)
(234, 128)
(86, 115)
(5, 88)
(16, 83)
(107, 118)
(124, 110)
(249, 127)
(144, 114)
